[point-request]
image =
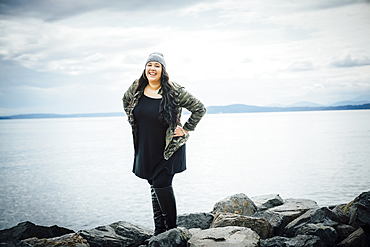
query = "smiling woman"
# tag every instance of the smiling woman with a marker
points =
(153, 105)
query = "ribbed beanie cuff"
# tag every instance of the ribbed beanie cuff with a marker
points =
(157, 57)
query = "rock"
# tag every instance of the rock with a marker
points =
(342, 213)
(298, 241)
(293, 208)
(326, 233)
(294, 205)
(356, 239)
(321, 215)
(277, 221)
(289, 216)
(267, 201)
(293, 226)
(192, 231)
(277, 241)
(72, 239)
(28, 229)
(177, 237)
(236, 204)
(359, 211)
(305, 241)
(344, 231)
(195, 220)
(225, 236)
(261, 226)
(326, 216)
(121, 233)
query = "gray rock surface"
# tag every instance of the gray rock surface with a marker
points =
(304, 241)
(293, 208)
(359, 211)
(342, 213)
(344, 231)
(299, 241)
(327, 234)
(225, 236)
(72, 239)
(326, 216)
(28, 229)
(267, 201)
(261, 226)
(356, 239)
(300, 205)
(320, 215)
(177, 237)
(121, 233)
(278, 221)
(236, 204)
(195, 220)
(293, 226)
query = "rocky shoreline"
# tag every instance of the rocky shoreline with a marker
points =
(237, 220)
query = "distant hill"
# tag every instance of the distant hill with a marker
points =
(305, 103)
(236, 108)
(46, 115)
(360, 100)
(239, 108)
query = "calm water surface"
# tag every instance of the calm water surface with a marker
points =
(76, 172)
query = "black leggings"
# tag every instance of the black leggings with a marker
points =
(161, 180)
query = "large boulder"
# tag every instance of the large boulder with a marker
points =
(267, 201)
(293, 226)
(356, 239)
(344, 231)
(236, 204)
(359, 211)
(293, 208)
(121, 233)
(195, 220)
(300, 205)
(298, 241)
(72, 239)
(225, 236)
(28, 229)
(326, 216)
(277, 221)
(327, 234)
(342, 213)
(261, 226)
(177, 237)
(320, 215)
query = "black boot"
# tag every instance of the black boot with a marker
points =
(159, 225)
(167, 202)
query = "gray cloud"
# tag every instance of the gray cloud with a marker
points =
(64, 57)
(348, 61)
(301, 66)
(327, 4)
(52, 10)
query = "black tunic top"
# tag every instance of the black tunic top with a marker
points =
(151, 133)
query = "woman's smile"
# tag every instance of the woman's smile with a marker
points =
(153, 71)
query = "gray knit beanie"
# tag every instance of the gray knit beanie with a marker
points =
(157, 57)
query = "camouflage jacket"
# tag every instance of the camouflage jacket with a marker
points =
(184, 100)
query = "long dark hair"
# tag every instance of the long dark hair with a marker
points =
(168, 107)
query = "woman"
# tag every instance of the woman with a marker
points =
(153, 105)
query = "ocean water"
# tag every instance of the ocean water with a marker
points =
(76, 172)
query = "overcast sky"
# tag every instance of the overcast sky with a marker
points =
(67, 56)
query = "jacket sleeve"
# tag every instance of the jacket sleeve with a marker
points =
(192, 104)
(128, 96)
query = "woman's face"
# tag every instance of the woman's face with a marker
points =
(153, 71)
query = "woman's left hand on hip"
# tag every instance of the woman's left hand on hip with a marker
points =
(179, 131)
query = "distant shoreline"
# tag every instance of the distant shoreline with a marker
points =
(236, 108)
